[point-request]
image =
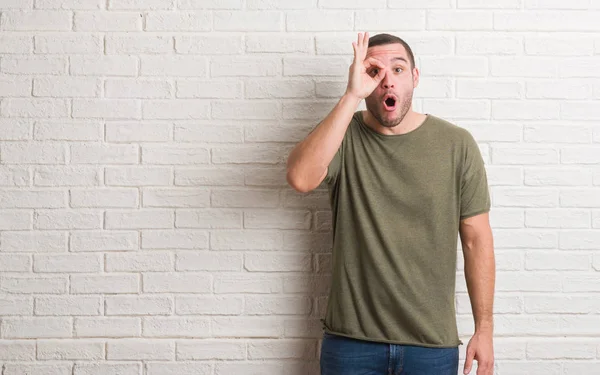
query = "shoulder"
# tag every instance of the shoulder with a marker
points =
(452, 132)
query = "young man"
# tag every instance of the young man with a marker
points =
(402, 186)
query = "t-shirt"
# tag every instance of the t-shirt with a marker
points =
(397, 202)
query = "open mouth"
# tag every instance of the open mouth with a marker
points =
(389, 103)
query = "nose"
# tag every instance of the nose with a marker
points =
(386, 82)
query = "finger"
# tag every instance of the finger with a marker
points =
(359, 40)
(354, 48)
(468, 362)
(371, 61)
(366, 41)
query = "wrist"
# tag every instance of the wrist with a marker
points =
(352, 98)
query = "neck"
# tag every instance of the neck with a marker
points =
(410, 122)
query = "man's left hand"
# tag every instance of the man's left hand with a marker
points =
(480, 348)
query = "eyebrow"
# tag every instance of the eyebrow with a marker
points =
(400, 58)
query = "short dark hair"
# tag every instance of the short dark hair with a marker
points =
(383, 39)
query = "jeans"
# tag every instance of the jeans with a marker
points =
(346, 356)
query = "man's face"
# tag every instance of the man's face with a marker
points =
(392, 98)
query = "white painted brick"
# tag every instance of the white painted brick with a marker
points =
(533, 281)
(208, 261)
(245, 67)
(307, 110)
(33, 153)
(498, 4)
(38, 369)
(67, 130)
(65, 43)
(15, 86)
(596, 219)
(247, 283)
(179, 197)
(103, 241)
(246, 327)
(32, 199)
(175, 327)
(181, 109)
(542, 67)
(488, 44)
(208, 218)
(494, 132)
(141, 4)
(277, 4)
(580, 155)
(579, 240)
(103, 368)
(179, 238)
(187, 66)
(36, 20)
(211, 349)
(563, 218)
(104, 65)
(249, 154)
(265, 89)
(262, 367)
(125, 132)
(68, 305)
(264, 133)
(194, 132)
(583, 67)
(528, 155)
(455, 66)
(282, 349)
(266, 177)
(546, 260)
(275, 305)
(217, 89)
(583, 367)
(242, 240)
(208, 305)
(33, 241)
(129, 88)
(72, 263)
(279, 43)
(45, 108)
(98, 153)
(15, 263)
(558, 46)
(248, 21)
(17, 4)
(210, 45)
(319, 20)
(17, 350)
(153, 44)
(209, 176)
(277, 219)
(14, 176)
(15, 219)
(560, 304)
(90, 284)
(36, 327)
(178, 154)
(137, 176)
(134, 262)
(459, 20)
(70, 4)
(29, 285)
(14, 306)
(178, 21)
(302, 327)
(578, 282)
(558, 90)
(174, 368)
(66, 176)
(252, 110)
(569, 20)
(262, 262)
(554, 4)
(574, 110)
(139, 305)
(557, 177)
(107, 108)
(104, 198)
(177, 282)
(525, 110)
(107, 327)
(108, 21)
(34, 64)
(315, 66)
(580, 198)
(352, 4)
(384, 20)
(525, 197)
(138, 349)
(139, 219)
(425, 4)
(468, 109)
(245, 198)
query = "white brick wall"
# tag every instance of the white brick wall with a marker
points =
(146, 227)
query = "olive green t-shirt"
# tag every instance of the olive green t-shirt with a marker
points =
(397, 202)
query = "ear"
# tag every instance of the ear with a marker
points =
(416, 75)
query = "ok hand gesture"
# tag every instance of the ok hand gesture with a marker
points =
(365, 74)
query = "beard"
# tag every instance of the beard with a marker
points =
(375, 108)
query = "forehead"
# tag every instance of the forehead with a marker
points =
(387, 52)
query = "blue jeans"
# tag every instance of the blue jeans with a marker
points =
(345, 356)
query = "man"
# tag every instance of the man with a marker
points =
(402, 186)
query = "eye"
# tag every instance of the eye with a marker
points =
(374, 72)
(398, 70)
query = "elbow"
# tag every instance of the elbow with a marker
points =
(297, 183)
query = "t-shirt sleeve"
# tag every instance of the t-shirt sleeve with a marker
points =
(333, 170)
(474, 192)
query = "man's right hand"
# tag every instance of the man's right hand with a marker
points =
(365, 74)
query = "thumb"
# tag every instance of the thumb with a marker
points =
(468, 361)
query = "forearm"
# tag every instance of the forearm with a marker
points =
(309, 160)
(480, 275)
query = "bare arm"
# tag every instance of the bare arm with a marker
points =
(308, 161)
(480, 275)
